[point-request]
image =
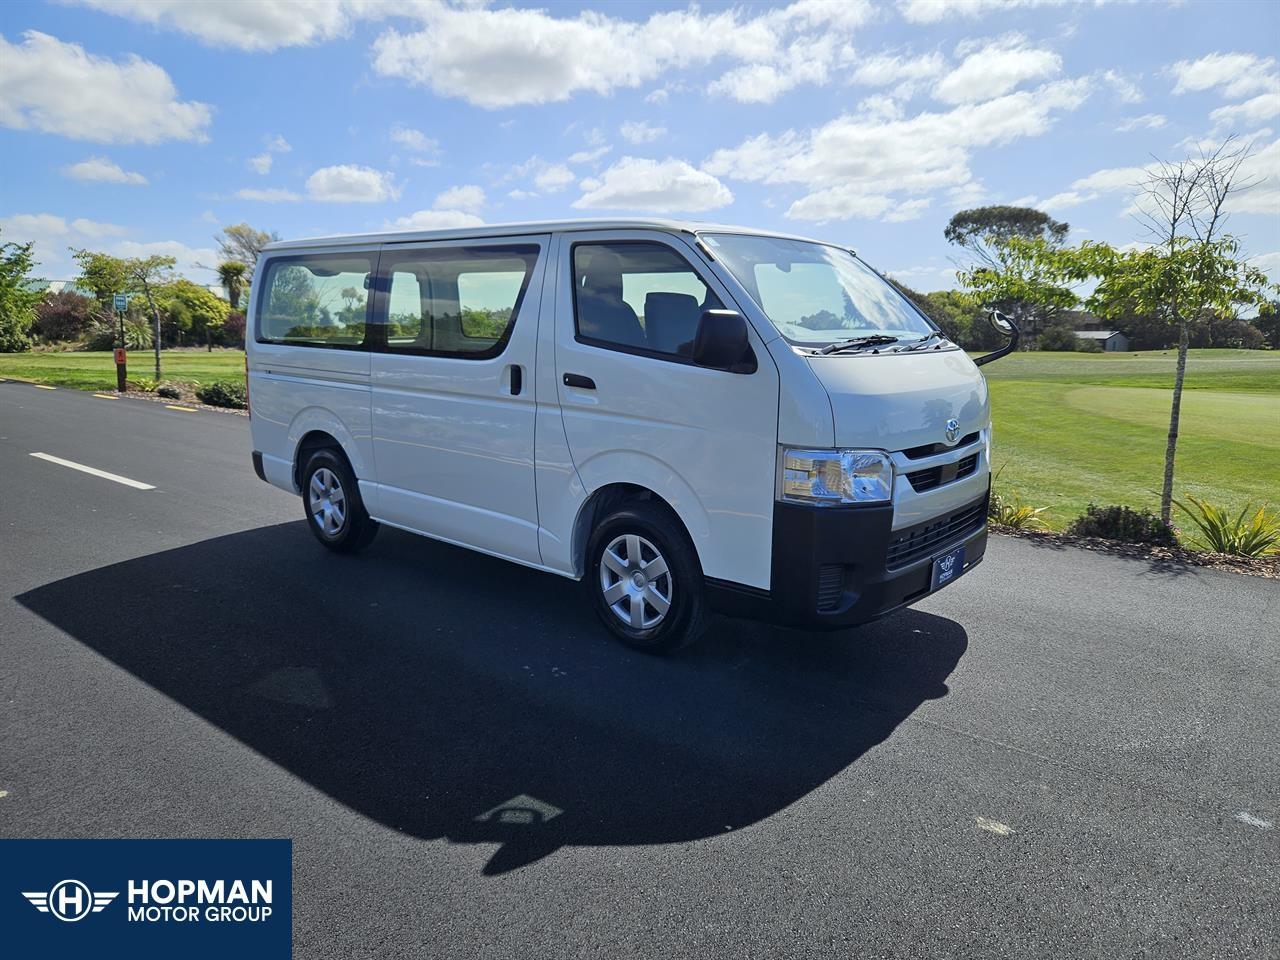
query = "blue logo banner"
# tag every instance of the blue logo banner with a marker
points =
(147, 898)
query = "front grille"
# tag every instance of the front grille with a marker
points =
(927, 479)
(830, 586)
(933, 449)
(923, 539)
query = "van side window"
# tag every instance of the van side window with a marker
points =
(638, 296)
(318, 300)
(454, 301)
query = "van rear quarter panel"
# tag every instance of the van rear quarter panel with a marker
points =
(295, 390)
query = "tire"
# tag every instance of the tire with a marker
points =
(630, 606)
(332, 505)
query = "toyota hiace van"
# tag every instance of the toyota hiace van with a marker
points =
(686, 418)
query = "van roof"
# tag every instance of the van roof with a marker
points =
(489, 230)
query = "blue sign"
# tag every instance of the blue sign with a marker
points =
(119, 301)
(147, 898)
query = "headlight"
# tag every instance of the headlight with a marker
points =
(832, 477)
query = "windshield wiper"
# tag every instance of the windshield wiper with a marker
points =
(875, 340)
(922, 342)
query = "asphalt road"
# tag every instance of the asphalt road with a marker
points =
(1062, 755)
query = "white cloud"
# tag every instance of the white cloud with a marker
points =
(268, 195)
(666, 186)
(858, 165)
(417, 142)
(1248, 114)
(996, 68)
(1232, 74)
(262, 162)
(891, 69)
(1268, 263)
(437, 220)
(196, 262)
(258, 25)
(469, 198)
(58, 87)
(589, 156)
(1148, 121)
(1262, 171)
(102, 170)
(499, 57)
(348, 183)
(908, 210)
(804, 60)
(1125, 89)
(935, 11)
(554, 179)
(638, 131)
(521, 194)
(53, 234)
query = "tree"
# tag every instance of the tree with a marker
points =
(1058, 338)
(1032, 283)
(19, 294)
(979, 231)
(104, 275)
(1192, 268)
(145, 274)
(232, 274)
(191, 307)
(1268, 323)
(65, 315)
(242, 243)
(989, 236)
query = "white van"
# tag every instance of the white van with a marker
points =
(685, 417)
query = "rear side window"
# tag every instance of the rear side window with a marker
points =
(640, 297)
(319, 300)
(454, 301)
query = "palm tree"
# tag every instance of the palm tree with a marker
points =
(232, 273)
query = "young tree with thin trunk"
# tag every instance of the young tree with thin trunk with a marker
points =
(1190, 269)
(145, 274)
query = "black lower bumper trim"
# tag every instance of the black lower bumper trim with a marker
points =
(830, 566)
(257, 465)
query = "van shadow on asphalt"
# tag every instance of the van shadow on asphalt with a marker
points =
(451, 695)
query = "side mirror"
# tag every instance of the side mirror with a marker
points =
(721, 342)
(1004, 324)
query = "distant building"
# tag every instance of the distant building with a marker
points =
(1112, 341)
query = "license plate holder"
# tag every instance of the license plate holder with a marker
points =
(946, 568)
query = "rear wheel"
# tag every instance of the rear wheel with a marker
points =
(331, 498)
(644, 579)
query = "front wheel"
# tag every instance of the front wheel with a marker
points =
(331, 498)
(644, 579)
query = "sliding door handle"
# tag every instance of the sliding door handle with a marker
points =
(579, 381)
(517, 379)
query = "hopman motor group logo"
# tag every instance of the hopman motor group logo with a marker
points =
(162, 901)
(70, 900)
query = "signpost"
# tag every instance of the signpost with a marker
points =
(121, 302)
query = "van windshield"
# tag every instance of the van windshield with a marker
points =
(816, 294)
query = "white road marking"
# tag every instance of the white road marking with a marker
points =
(1253, 821)
(168, 406)
(92, 471)
(44, 386)
(994, 826)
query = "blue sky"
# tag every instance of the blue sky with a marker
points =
(145, 125)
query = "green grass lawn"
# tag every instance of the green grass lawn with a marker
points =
(97, 370)
(1070, 428)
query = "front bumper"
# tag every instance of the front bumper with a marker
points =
(837, 567)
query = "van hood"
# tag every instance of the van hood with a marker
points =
(895, 401)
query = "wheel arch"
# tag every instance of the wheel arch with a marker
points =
(609, 497)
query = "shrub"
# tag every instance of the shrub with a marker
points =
(223, 393)
(1243, 535)
(1058, 338)
(233, 329)
(1012, 512)
(145, 384)
(169, 391)
(1121, 523)
(104, 334)
(63, 316)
